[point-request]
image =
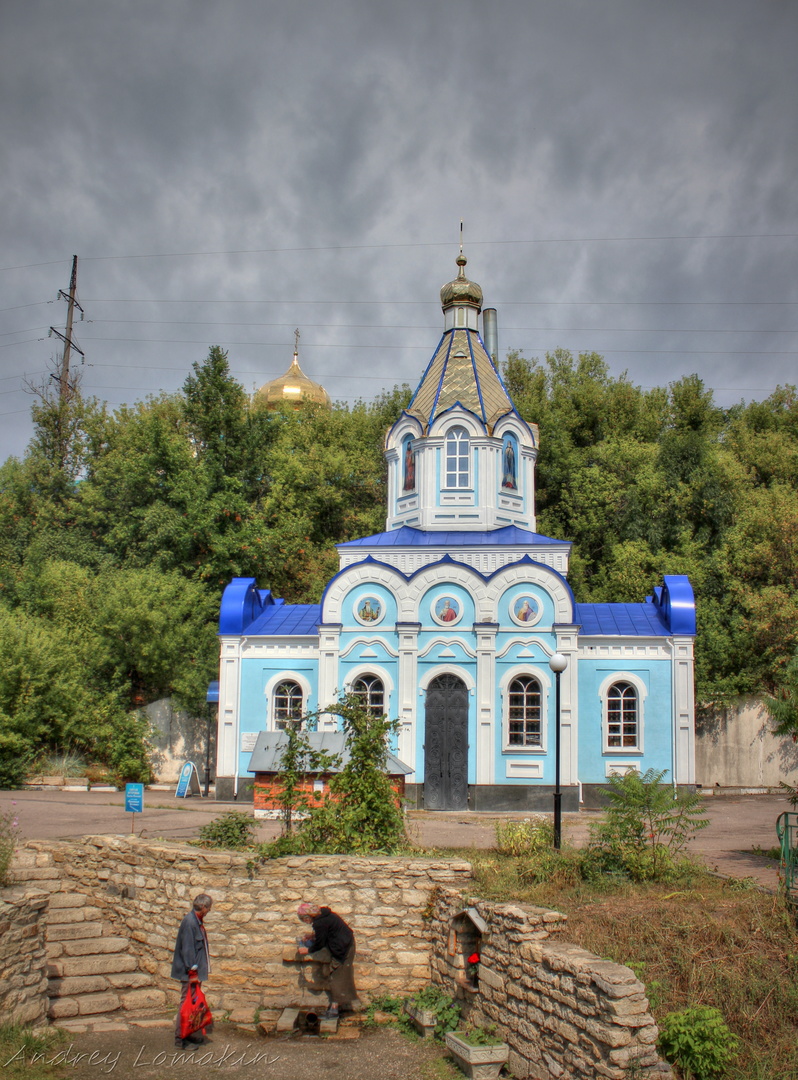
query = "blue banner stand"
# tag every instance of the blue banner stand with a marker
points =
(189, 783)
(134, 802)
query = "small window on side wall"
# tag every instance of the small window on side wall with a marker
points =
(287, 704)
(371, 693)
(524, 713)
(623, 717)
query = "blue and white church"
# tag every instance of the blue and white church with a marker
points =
(449, 620)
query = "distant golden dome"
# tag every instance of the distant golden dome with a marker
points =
(292, 389)
(461, 290)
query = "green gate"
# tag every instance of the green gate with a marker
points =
(787, 832)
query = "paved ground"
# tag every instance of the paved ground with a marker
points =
(738, 823)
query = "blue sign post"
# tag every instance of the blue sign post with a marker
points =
(134, 801)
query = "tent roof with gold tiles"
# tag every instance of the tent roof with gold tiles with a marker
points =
(460, 372)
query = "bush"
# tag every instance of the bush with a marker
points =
(647, 828)
(362, 813)
(129, 754)
(232, 830)
(527, 837)
(15, 757)
(698, 1041)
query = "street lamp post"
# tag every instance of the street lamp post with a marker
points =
(558, 664)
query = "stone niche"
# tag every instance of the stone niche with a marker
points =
(463, 941)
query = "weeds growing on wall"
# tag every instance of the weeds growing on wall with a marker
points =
(9, 838)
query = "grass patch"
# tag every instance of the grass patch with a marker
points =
(29, 1052)
(700, 942)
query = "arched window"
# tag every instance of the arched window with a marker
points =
(623, 729)
(371, 693)
(287, 703)
(523, 712)
(458, 473)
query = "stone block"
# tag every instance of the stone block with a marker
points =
(67, 900)
(60, 1008)
(81, 984)
(129, 979)
(96, 965)
(74, 932)
(287, 1020)
(91, 1004)
(143, 999)
(95, 946)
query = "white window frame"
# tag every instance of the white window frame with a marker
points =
(376, 671)
(642, 693)
(270, 690)
(462, 478)
(384, 691)
(546, 707)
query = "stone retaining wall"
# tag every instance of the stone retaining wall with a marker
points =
(116, 903)
(563, 1011)
(23, 982)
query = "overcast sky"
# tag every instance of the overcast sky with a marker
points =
(228, 170)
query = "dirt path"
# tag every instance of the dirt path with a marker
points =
(148, 1053)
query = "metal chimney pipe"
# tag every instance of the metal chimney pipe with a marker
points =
(490, 334)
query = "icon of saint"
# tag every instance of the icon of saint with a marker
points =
(525, 612)
(410, 468)
(368, 613)
(447, 612)
(508, 472)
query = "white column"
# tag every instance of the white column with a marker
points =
(329, 651)
(683, 691)
(569, 706)
(407, 694)
(485, 702)
(229, 707)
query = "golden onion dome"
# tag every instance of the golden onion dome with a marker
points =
(292, 388)
(461, 290)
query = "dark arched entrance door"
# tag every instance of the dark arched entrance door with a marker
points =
(446, 745)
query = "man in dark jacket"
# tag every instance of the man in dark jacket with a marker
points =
(191, 955)
(332, 945)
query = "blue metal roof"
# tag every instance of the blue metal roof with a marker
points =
(286, 619)
(407, 536)
(624, 620)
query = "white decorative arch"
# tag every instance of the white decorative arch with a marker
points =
(447, 643)
(436, 574)
(642, 693)
(356, 576)
(532, 573)
(368, 642)
(365, 668)
(543, 676)
(525, 643)
(447, 669)
(272, 684)
(457, 417)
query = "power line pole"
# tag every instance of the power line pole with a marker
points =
(64, 388)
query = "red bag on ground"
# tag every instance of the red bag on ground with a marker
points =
(194, 1012)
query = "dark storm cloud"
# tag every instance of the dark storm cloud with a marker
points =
(146, 128)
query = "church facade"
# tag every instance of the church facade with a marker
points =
(449, 619)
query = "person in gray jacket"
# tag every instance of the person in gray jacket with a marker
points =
(191, 955)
